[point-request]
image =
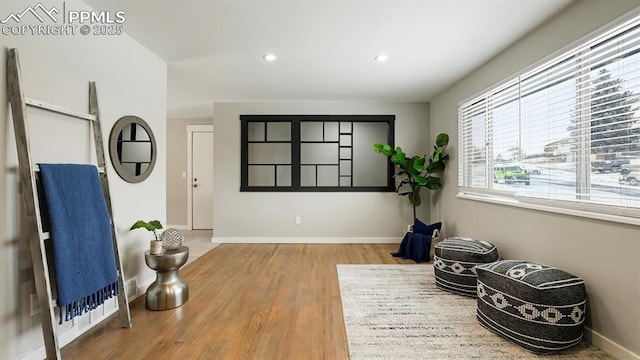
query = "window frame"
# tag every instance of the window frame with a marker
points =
(295, 121)
(581, 207)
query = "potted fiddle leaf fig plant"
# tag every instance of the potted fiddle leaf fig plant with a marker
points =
(153, 226)
(416, 172)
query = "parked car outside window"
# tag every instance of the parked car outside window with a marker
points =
(613, 165)
(633, 178)
(510, 174)
(626, 169)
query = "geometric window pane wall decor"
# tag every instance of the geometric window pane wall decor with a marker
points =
(315, 152)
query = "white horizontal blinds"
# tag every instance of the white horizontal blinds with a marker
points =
(614, 83)
(613, 123)
(547, 101)
(505, 132)
(570, 123)
(472, 133)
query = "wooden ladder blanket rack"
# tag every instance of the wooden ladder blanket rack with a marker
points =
(34, 226)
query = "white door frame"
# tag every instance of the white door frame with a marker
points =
(190, 130)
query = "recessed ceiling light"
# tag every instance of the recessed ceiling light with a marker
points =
(382, 58)
(270, 57)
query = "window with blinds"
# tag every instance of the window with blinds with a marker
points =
(565, 134)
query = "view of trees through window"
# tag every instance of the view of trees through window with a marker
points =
(568, 130)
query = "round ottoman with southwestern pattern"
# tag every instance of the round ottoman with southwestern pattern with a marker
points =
(537, 307)
(455, 263)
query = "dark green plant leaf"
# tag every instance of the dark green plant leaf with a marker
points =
(433, 180)
(156, 224)
(377, 147)
(152, 225)
(418, 164)
(398, 158)
(437, 152)
(433, 183)
(442, 139)
(414, 199)
(387, 150)
(405, 166)
(435, 167)
(140, 225)
(420, 179)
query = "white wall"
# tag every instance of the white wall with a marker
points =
(606, 255)
(331, 217)
(177, 154)
(57, 69)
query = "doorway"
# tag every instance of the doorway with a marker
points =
(200, 176)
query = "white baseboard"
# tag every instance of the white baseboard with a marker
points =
(179, 227)
(607, 345)
(305, 240)
(67, 336)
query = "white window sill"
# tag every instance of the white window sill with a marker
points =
(512, 201)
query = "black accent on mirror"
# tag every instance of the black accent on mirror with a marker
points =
(132, 148)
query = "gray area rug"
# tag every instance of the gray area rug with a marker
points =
(397, 312)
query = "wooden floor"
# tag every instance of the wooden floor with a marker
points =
(247, 301)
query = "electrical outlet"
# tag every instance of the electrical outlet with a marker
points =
(298, 220)
(34, 304)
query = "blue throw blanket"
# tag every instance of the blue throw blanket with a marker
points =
(83, 255)
(414, 246)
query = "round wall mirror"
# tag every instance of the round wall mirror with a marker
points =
(132, 148)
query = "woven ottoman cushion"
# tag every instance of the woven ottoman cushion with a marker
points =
(455, 263)
(537, 307)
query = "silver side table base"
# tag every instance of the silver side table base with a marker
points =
(169, 290)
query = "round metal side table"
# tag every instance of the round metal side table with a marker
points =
(169, 290)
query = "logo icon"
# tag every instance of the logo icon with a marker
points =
(35, 12)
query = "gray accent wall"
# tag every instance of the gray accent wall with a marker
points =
(605, 254)
(325, 216)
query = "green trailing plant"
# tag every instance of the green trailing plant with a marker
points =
(416, 172)
(153, 226)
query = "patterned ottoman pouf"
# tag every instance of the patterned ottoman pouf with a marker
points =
(537, 307)
(455, 263)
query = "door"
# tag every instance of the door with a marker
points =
(202, 180)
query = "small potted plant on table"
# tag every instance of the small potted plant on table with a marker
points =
(153, 226)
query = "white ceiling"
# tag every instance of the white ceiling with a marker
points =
(325, 48)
